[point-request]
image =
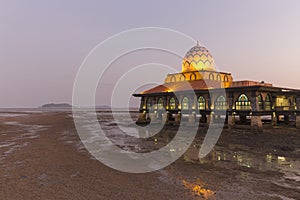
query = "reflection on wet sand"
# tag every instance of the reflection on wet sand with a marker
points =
(228, 158)
(238, 162)
(198, 189)
(242, 158)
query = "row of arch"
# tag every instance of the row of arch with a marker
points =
(267, 105)
(193, 77)
(242, 103)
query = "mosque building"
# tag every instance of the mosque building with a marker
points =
(200, 92)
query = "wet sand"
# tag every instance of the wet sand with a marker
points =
(41, 157)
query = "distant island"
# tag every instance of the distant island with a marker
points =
(57, 105)
(99, 107)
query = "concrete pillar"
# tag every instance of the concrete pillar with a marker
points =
(231, 121)
(177, 118)
(142, 118)
(274, 119)
(192, 118)
(286, 119)
(165, 118)
(256, 122)
(298, 121)
(209, 119)
(243, 119)
(203, 119)
(153, 116)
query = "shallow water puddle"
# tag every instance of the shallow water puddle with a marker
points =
(18, 141)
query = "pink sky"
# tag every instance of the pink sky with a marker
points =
(44, 44)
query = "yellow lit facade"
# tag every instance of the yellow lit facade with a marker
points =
(199, 76)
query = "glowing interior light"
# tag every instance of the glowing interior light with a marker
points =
(281, 158)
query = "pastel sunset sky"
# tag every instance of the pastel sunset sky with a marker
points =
(43, 43)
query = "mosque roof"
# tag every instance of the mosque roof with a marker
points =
(184, 86)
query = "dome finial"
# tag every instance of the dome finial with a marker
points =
(197, 42)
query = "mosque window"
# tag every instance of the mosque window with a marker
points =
(243, 103)
(185, 103)
(221, 103)
(173, 79)
(148, 104)
(268, 102)
(160, 104)
(211, 76)
(182, 78)
(193, 77)
(225, 78)
(260, 102)
(219, 77)
(172, 104)
(201, 103)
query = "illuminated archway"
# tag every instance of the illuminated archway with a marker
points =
(225, 78)
(268, 102)
(221, 103)
(193, 77)
(182, 77)
(148, 104)
(185, 104)
(172, 104)
(219, 77)
(201, 103)
(243, 103)
(260, 102)
(160, 104)
(173, 79)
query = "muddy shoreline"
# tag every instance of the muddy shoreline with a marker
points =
(43, 158)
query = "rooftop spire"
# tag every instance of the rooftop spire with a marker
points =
(197, 42)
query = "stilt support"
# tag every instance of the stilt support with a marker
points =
(256, 122)
(192, 118)
(177, 118)
(142, 118)
(274, 119)
(231, 121)
(298, 121)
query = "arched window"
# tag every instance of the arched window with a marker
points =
(193, 77)
(243, 103)
(219, 77)
(201, 103)
(268, 102)
(260, 102)
(185, 104)
(182, 77)
(173, 79)
(160, 104)
(172, 104)
(211, 76)
(148, 105)
(221, 103)
(225, 78)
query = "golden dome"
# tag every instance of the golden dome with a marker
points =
(198, 58)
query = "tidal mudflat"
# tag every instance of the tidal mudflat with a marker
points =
(42, 157)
